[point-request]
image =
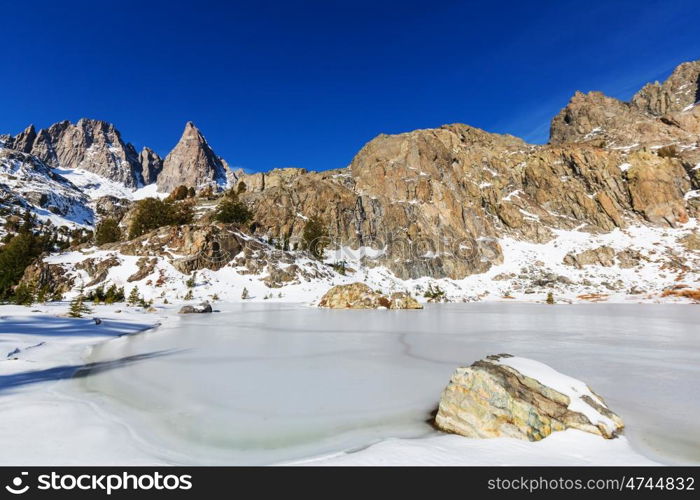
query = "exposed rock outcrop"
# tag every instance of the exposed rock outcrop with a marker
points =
(361, 296)
(659, 114)
(505, 396)
(192, 163)
(92, 145)
(204, 307)
(25, 181)
(151, 165)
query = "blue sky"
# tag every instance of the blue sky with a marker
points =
(307, 83)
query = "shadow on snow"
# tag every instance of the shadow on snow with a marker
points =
(57, 326)
(16, 380)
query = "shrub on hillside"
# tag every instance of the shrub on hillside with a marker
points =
(179, 193)
(315, 237)
(15, 256)
(152, 213)
(232, 211)
(107, 232)
(667, 152)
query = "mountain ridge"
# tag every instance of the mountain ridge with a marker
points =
(448, 202)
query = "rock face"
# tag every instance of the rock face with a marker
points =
(151, 165)
(204, 307)
(435, 202)
(361, 296)
(92, 145)
(192, 163)
(506, 396)
(657, 115)
(680, 91)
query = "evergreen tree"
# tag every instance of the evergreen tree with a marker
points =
(134, 297)
(231, 211)
(550, 298)
(192, 281)
(24, 294)
(179, 193)
(78, 307)
(114, 294)
(315, 237)
(15, 256)
(152, 213)
(107, 232)
(43, 294)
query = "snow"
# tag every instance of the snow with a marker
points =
(458, 451)
(40, 351)
(508, 197)
(524, 263)
(625, 167)
(26, 178)
(96, 186)
(271, 383)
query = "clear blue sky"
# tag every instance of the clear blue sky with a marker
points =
(306, 84)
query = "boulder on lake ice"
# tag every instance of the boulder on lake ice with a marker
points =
(507, 396)
(204, 307)
(361, 296)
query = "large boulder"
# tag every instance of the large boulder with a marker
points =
(204, 307)
(506, 396)
(361, 296)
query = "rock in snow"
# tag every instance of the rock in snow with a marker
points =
(203, 307)
(507, 396)
(361, 296)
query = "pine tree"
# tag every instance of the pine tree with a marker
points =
(42, 294)
(78, 307)
(550, 298)
(232, 211)
(134, 297)
(107, 232)
(192, 281)
(24, 294)
(315, 237)
(189, 295)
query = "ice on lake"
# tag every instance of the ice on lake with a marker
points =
(268, 383)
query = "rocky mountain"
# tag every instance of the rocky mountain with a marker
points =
(97, 147)
(151, 165)
(609, 206)
(192, 163)
(658, 115)
(92, 145)
(26, 183)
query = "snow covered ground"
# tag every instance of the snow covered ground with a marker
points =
(262, 383)
(516, 279)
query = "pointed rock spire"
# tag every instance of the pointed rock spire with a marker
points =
(191, 163)
(151, 165)
(23, 141)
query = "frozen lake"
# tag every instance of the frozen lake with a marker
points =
(266, 383)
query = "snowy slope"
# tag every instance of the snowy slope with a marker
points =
(28, 184)
(528, 273)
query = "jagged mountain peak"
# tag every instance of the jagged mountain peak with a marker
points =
(679, 91)
(192, 162)
(658, 114)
